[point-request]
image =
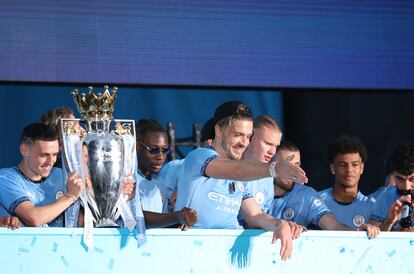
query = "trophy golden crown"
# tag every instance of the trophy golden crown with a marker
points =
(95, 106)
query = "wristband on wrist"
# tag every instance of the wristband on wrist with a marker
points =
(71, 196)
(272, 170)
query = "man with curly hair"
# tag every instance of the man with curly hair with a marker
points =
(347, 156)
(390, 201)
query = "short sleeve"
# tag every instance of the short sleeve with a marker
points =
(196, 162)
(12, 192)
(317, 208)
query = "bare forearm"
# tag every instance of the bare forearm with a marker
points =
(242, 170)
(339, 226)
(386, 225)
(154, 219)
(329, 222)
(40, 215)
(262, 221)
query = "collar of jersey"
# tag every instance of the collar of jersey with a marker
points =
(286, 192)
(341, 203)
(28, 179)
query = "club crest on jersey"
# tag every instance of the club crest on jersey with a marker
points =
(259, 197)
(288, 214)
(317, 202)
(240, 186)
(59, 194)
(358, 220)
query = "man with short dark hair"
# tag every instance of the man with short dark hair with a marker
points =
(295, 202)
(35, 191)
(389, 180)
(302, 204)
(153, 148)
(347, 156)
(215, 178)
(390, 202)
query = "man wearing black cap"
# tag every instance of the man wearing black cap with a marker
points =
(214, 176)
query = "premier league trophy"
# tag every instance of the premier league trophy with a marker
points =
(102, 151)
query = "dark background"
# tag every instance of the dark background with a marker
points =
(381, 119)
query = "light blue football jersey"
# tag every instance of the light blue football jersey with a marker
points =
(384, 200)
(262, 191)
(151, 192)
(170, 173)
(16, 188)
(354, 214)
(377, 192)
(217, 201)
(301, 205)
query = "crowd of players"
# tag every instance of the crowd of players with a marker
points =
(244, 176)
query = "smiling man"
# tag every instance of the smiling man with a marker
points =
(215, 178)
(34, 190)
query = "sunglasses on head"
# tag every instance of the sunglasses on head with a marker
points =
(157, 150)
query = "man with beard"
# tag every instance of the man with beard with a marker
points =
(346, 156)
(391, 201)
(153, 148)
(298, 203)
(215, 178)
(34, 190)
(172, 171)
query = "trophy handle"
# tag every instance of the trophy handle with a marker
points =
(72, 140)
(126, 130)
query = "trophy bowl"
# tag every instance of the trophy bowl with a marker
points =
(102, 151)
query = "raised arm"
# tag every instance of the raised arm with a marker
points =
(39, 215)
(246, 170)
(394, 214)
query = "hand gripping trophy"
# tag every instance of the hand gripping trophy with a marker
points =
(102, 151)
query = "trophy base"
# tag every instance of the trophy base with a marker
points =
(106, 223)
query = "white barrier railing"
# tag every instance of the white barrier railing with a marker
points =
(59, 250)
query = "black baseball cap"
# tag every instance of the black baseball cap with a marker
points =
(227, 109)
